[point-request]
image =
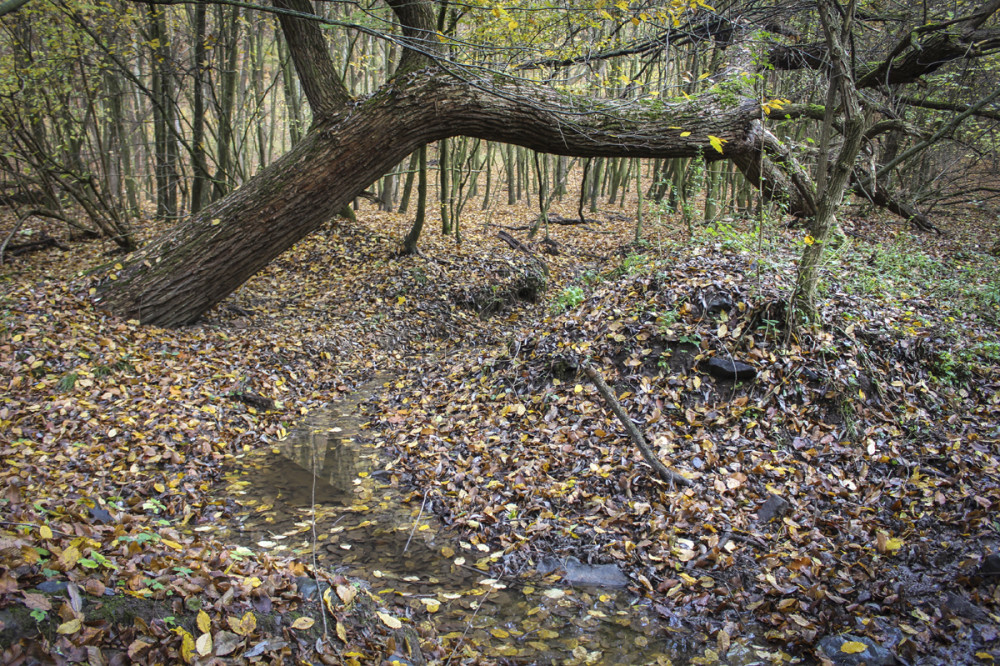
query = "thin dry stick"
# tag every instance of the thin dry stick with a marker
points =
(315, 545)
(468, 625)
(633, 432)
(416, 522)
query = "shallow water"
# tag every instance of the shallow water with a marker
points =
(321, 495)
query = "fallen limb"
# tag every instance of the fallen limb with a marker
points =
(633, 432)
(514, 243)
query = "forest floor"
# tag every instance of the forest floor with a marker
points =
(846, 484)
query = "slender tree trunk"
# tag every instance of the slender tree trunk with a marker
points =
(410, 242)
(200, 181)
(444, 187)
(411, 171)
(224, 174)
(163, 117)
(832, 182)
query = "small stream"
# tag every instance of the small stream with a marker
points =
(367, 529)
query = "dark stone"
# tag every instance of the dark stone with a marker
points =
(52, 587)
(99, 515)
(718, 305)
(724, 368)
(873, 655)
(308, 588)
(773, 507)
(990, 566)
(959, 605)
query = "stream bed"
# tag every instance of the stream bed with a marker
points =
(323, 495)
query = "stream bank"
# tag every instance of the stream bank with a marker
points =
(326, 496)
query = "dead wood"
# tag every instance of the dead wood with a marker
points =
(633, 432)
(252, 400)
(44, 242)
(514, 243)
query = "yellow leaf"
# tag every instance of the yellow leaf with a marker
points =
(216, 222)
(809, 240)
(69, 557)
(716, 142)
(853, 647)
(248, 622)
(187, 645)
(159, 487)
(303, 623)
(389, 620)
(204, 622)
(204, 644)
(500, 633)
(347, 593)
(432, 605)
(685, 133)
(45, 532)
(172, 544)
(986, 656)
(341, 631)
(70, 627)
(401, 300)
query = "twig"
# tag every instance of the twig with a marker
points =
(315, 546)
(416, 522)
(632, 430)
(35, 525)
(468, 626)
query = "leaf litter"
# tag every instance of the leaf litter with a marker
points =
(849, 486)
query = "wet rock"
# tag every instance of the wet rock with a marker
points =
(577, 573)
(595, 575)
(873, 654)
(308, 587)
(726, 368)
(773, 507)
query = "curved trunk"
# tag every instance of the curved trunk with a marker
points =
(181, 275)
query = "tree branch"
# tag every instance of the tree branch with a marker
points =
(633, 431)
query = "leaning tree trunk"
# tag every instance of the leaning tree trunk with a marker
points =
(177, 278)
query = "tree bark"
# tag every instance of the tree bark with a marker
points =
(174, 280)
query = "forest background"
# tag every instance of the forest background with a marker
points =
(771, 227)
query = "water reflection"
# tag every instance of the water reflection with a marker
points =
(327, 472)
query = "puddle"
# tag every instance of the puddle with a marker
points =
(371, 530)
